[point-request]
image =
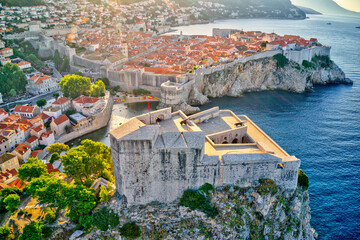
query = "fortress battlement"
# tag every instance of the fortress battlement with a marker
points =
(159, 155)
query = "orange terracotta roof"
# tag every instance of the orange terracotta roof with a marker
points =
(84, 99)
(46, 135)
(31, 139)
(22, 148)
(24, 109)
(61, 100)
(38, 128)
(63, 118)
(35, 153)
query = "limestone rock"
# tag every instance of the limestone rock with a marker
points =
(76, 234)
(259, 75)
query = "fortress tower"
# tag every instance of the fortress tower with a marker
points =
(158, 155)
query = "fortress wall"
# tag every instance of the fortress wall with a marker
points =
(60, 31)
(174, 95)
(155, 80)
(94, 66)
(144, 174)
(153, 174)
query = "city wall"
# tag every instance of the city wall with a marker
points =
(151, 173)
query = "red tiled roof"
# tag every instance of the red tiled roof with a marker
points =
(84, 99)
(24, 109)
(23, 63)
(22, 148)
(51, 169)
(31, 139)
(17, 183)
(38, 78)
(61, 119)
(5, 49)
(38, 128)
(61, 100)
(46, 135)
(2, 111)
(43, 116)
(35, 153)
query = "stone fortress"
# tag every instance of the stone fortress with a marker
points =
(158, 155)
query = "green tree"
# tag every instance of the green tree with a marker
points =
(88, 161)
(54, 157)
(104, 194)
(74, 85)
(57, 60)
(12, 201)
(32, 168)
(80, 201)
(5, 232)
(98, 89)
(65, 65)
(41, 102)
(12, 92)
(11, 77)
(56, 95)
(57, 148)
(106, 81)
(33, 231)
(48, 190)
(263, 44)
(6, 191)
(54, 192)
(281, 60)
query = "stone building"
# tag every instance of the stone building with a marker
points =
(158, 155)
(8, 161)
(59, 125)
(40, 83)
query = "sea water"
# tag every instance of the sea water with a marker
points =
(322, 128)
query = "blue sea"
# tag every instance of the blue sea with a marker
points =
(322, 128)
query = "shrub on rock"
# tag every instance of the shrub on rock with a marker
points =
(303, 179)
(105, 219)
(130, 230)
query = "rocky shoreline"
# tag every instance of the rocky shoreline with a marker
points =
(260, 75)
(244, 213)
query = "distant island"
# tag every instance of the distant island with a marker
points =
(309, 10)
(326, 7)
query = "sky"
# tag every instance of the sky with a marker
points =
(353, 5)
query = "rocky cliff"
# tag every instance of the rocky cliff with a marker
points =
(260, 75)
(263, 212)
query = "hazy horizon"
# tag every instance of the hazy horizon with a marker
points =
(332, 7)
(352, 5)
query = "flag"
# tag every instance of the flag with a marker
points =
(149, 106)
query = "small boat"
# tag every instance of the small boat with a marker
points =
(329, 23)
(357, 27)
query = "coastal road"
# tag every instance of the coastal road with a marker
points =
(31, 101)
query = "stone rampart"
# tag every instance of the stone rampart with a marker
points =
(152, 173)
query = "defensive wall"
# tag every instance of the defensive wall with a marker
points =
(158, 160)
(173, 93)
(95, 122)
